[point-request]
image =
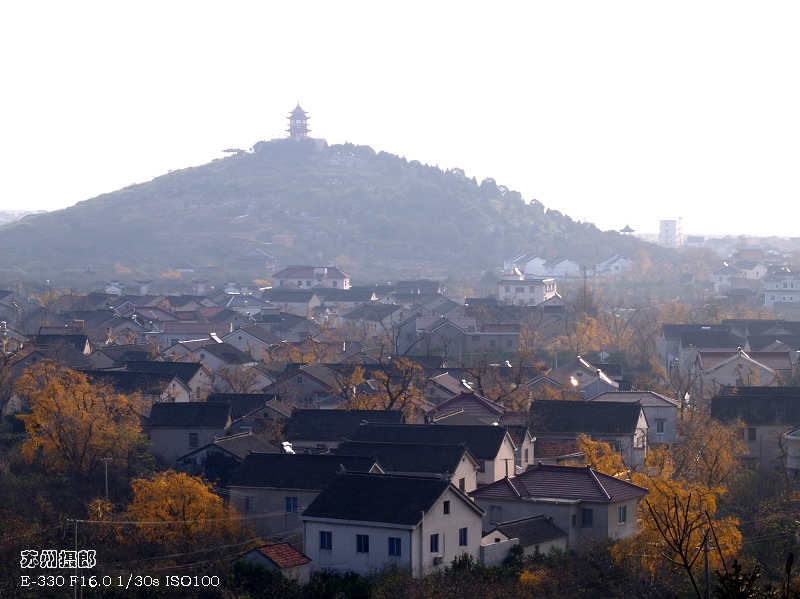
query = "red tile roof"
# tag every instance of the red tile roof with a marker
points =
(284, 555)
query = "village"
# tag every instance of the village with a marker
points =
(356, 429)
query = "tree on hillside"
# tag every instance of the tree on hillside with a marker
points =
(73, 425)
(179, 512)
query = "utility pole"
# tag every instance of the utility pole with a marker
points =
(106, 463)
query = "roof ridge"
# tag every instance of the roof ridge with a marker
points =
(597, 480)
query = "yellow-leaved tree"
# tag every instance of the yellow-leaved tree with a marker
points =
(73, 425)
(599, 456)
(685, 482)
(180, 513)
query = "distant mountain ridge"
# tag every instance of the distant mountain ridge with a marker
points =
(339, 202)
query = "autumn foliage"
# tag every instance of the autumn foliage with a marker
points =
(74, 424)
(181, 513)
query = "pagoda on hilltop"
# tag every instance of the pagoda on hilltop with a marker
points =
(298, 124)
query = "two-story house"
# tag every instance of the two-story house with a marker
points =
(367, 522)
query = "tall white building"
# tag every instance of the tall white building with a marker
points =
(670, 233)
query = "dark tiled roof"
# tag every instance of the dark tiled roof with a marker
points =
(76, 341)
(562, 482)
(334, 425)
(123, 381)
(484, 442)
(408, 457)
(648, 399)
(531, 531)
(189, 415)
(711, 338)
(757, 408)
(472, 404)
(123, 353)
(601, 417)
(228, 353)
(183, 370)
(377, 498)
(258, 332)
(242, 403)
(295, 471)
(197, 328)
(244, 444)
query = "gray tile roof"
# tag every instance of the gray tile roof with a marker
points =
(648, 399)
(484, 442)
(334, 425)
(295, 471)
(531, 531)
(189, 415)
(378, 498)
(562, 482)
(185, 371)
(243, 403)
(408, 457)
(781, 407)
(591, 417)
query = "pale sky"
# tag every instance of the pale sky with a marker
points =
(612, 112)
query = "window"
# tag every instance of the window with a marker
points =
(462, 485)
(193, 440)
(299, 380)
(772, 297)
(291, 505)
(395, 546)
(462, 537)
(335, 283)
(326, 540)
(308, 283)
(526, 456)
(660, 427)
(508, 288)
(362, 543)
(508, 343)
(249, 504)
(494, 514)
(435, 543)
(519, 289)
(492, 343)
(446, 507)
(751, 434)
(623, 514)
(481, 465)
(587, 517)
(574, 520)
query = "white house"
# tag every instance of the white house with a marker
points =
(367, 522)
(524, 290)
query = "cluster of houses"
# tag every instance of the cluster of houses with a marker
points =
(562, 268)
(244, 389)
(750, 274)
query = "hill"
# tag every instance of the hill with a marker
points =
(370, 212)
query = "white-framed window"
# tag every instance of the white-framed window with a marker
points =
(395, 546)
(435, 543)
(291, 505)
(622, 513)
(660, 426)
(362, 543)
(249, 504)
(446, 507)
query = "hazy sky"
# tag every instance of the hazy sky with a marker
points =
(613, 112)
